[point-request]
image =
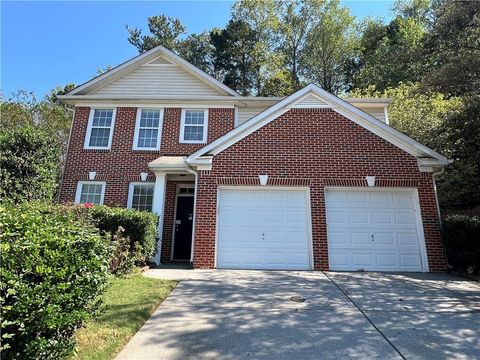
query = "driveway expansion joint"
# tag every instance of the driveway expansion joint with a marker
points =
(345, 293)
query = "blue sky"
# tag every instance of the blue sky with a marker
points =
(45, 44)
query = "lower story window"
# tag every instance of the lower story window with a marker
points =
(140, 196)
(90, 192)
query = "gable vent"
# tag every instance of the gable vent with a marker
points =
(160, 61)
(310, 102)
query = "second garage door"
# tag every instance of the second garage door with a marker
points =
(374, 229)
(263, 229)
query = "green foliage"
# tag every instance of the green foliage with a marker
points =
(416, 113)
(462, 242)
(123, 256)
(331, 44)
(197, 50)
(139, 226)
(453, 47)
(164, 31)
(458, 137)
(23, 109)
(29, 164)
(391, 53)
(54, 267)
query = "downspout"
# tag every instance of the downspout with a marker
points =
(195, 173)
(435, 174)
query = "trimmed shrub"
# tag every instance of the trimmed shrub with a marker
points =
(29, 165)
(54, 268)
(139, 226)
(123, 258)
(462, 241)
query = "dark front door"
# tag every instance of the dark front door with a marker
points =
(183, 228)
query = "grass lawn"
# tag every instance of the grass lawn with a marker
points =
(128, 303)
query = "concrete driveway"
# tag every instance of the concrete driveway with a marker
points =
(227, 314)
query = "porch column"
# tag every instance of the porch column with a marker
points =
(158, 208)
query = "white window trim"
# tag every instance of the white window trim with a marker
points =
(205, 127)
(137, 130)
(130, 192)
(89, 128)
(79, 190)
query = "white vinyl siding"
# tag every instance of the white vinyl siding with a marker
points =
(140, 196)
(170, 80)
(148, 129)
(194, 126)
(379, 113)
(100, 129)
(310, 102)
(246, 113)
(90, 192)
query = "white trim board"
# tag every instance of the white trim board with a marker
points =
(358, 116)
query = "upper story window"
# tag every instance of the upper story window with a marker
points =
(90, 192)
(148, 129)
(140, 196)
(100, 129)
(194, 126)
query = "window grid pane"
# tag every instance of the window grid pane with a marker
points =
(195, 117)
(91, 193)
(148, 129)
(102, 117)
(193, 133)
(99, 137)
(142, 197)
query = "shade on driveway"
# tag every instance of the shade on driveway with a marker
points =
(251, 315)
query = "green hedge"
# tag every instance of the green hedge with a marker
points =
(29, 165)
(54, 268)
(139, 226)
(462, 241)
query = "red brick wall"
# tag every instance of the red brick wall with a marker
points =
(322, 146)
(122, 165)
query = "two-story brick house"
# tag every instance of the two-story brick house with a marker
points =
(310, 181)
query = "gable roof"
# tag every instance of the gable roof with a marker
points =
(324, 98)
(130, 65)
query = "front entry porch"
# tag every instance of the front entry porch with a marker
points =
(174, 201)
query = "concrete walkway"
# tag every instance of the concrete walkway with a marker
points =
(227, 314)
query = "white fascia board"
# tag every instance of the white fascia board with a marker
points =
(149, 55)
(343, 107)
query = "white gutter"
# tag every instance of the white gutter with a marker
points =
(195, 173)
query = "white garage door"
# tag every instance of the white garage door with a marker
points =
(263, 229)
(375, 230)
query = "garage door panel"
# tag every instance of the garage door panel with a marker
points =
(385, 217)
(407, 239)
(353, 216)
(407, 218)
(358, 218)
(270, 232)
(360, 238)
